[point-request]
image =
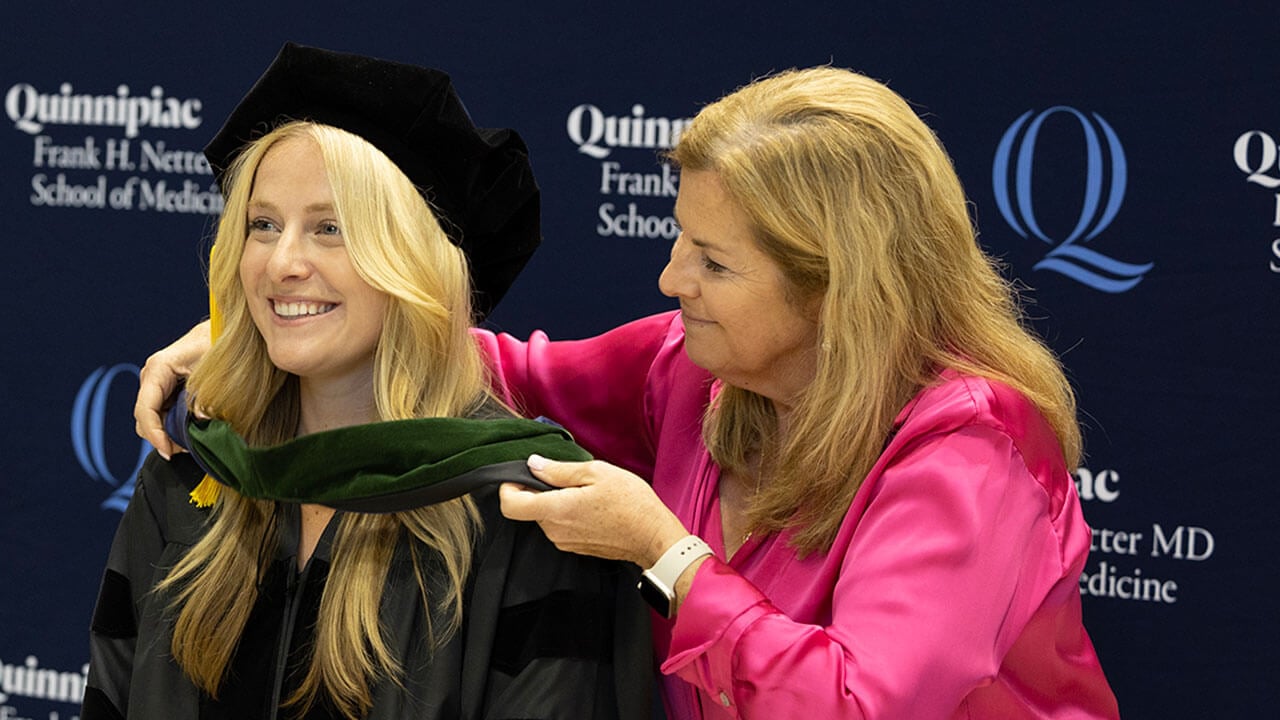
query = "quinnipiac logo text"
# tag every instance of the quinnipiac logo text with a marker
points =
(31, 110)
(649, 190)
(89, 434)
(1106, 176)
(1258, 168)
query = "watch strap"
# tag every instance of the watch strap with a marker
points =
(676, 559)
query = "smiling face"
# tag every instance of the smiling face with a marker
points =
(319, 318)
(742, 323)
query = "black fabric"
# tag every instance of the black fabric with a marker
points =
(97, 706)
(278, 634)
(552, 627)
(606, 671)
(479, 180)
(113, 615)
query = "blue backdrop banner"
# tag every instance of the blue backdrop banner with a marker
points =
(1123, 164)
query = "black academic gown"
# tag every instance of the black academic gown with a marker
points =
(546, 634)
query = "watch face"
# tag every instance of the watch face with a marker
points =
(654, 595)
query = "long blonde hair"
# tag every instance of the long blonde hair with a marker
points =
(856, 200)
(425, 365)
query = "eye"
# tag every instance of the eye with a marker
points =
(261, 225)
(712, 266)
(329, 234)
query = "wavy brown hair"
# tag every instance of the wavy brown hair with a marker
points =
(856, 200)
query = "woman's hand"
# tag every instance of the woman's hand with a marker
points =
(600, 510)
(159, 379)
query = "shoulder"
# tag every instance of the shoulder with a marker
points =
(163, 487)
(957, 400)
(982, 407)
(179, 475)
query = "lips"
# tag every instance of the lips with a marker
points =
(688, 317)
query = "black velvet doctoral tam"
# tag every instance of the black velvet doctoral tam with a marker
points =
(478, 180)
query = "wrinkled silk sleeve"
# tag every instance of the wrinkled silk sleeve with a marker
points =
(596, 388)
(954, 552)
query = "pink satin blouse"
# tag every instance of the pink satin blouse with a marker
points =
(951, 590)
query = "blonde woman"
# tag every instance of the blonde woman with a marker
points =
(844, 463)
(344, 378)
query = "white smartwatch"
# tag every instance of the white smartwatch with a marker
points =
(658, 584)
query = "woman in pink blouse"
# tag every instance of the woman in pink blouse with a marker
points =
(844, 463)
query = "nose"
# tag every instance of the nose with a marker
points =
(677, 279)
(290, 258)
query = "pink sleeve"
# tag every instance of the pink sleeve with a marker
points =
(599, 389)
(952, 555)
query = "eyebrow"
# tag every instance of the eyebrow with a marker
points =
(696, 242)
(705, 244)
(312, 208)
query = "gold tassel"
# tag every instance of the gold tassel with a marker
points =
(215, 316)
(206, 493)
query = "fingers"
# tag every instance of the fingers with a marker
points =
(519, 502)
(564, 474)
(199, 411)
(158, 380)
(156, 384)
(158, 439)
(150, 429)
(596, 509)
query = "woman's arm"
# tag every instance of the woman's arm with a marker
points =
(158, 381)
(954, 556)
(597, 388)
(954, 552)
(609, 391)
